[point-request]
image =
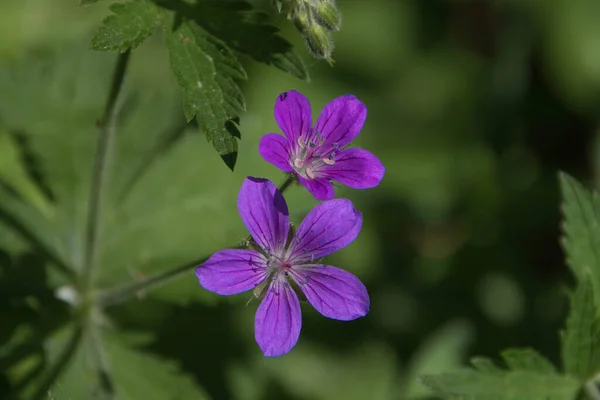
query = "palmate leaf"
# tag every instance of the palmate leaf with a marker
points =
(206, 69)
(104, 367)
(131, 24)
(581, 338)
(160, 208)
(529, 376)
(581, 227)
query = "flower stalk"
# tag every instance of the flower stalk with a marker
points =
(106, 127)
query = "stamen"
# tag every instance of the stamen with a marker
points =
(309, 172)
(328, 161)
(298, 163)
(301, 142)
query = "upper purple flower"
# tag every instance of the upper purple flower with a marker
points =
(333, 292)
(318, 155)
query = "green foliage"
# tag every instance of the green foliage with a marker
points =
(442, 351)
(529, 376)
(150, 192)
(582, 230)
(581, 338)
(132, 24)
(205, 70)
(200, 38)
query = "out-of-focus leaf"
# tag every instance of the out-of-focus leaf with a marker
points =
(105, 368)
(86, 2)
(581, 228)
(14, 174)
(369, 372)
(484, 364)
(581, 338)
(527, 360)
(59, 125)
(132, 23)
(442, 351)
(508, 385)
(206, 69)
(161, 208)
(138, 375)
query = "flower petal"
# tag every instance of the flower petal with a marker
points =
(276, 150)
(265, 213)
(232, 271)
(356, 168)
(278, 320)
(330, 226)
(322, 189)
(341, 121)
(293, 114)
(333, 292)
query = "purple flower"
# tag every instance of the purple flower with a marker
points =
(283, 264)
(319, 155)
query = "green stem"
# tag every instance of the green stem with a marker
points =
(120, 294)
(123, 293)
(286, 184)
(106, 131)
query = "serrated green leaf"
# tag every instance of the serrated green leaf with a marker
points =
(246, 30)
(508, 385)
(484, 364)
(527, 360)
(581, 338)
(581, 226)
(205, 69)
(132, 24)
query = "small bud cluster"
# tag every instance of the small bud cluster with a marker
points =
(316, 19)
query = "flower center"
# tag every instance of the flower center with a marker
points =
(310, 156)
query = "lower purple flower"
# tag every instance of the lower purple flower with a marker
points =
(286, 262)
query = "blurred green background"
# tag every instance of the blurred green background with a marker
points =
(473, 107)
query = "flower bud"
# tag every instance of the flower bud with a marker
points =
(301, 19)
(327, 15)
(278, 5)
(319, 41)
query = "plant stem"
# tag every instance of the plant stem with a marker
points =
(106, 131)
(120, 294)
(286, 184)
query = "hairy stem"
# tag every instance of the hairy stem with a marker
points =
(120, 294)
(106, 130)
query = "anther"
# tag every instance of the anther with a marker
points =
(328, 161)
(309, 172)
(298, 163)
